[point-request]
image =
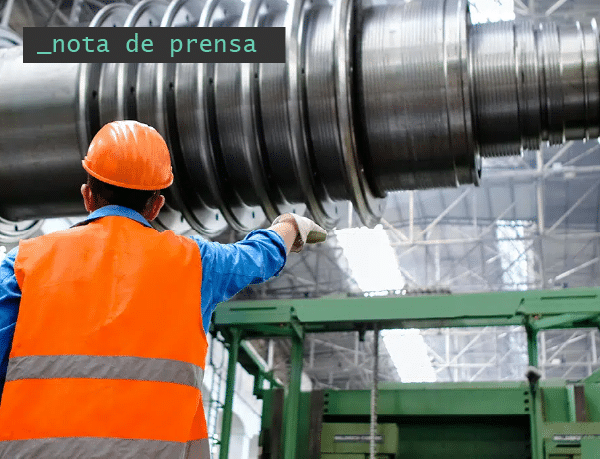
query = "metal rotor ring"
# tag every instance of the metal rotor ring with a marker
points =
(182, 13)
(200, 217)
(315, 197)
(9, 38)
(196, 130)
(147, 13)
(194, 195)
(275, 135)
(367, 205)
(552, 102)
(592, 80)
(173, 121)
(458, 102)
(212, 78)
(146, 103)
(528, 85)
(252, 140)
(244, 213)
(572, 66)
(319, 81)
(11, 232)
(113, 15)
(319, 88)
(274, 16)
(497, 112)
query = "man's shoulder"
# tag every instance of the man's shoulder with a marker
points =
(46, 238)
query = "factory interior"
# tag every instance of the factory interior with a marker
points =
(451, 149)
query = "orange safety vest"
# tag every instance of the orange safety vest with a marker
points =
(109, 348)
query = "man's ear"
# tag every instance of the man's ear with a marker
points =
(88, 200)
(156, 204)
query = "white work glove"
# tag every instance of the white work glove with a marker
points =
(308, 231)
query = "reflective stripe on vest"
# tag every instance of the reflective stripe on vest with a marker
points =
(102, 367)
(103, 448)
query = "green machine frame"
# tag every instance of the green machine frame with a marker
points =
(529, 419)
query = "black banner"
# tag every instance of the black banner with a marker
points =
(153, 44)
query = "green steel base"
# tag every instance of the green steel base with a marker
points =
(449, 421)
(551, 420)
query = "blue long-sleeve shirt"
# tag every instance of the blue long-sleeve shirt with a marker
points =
(226, 269)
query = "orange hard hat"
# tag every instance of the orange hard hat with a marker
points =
(129, 154)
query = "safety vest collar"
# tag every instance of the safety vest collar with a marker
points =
(114, 211)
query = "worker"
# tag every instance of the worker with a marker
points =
(103, 325)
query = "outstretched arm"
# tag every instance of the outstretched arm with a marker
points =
(228, 268)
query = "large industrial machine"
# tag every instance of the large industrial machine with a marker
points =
(372, 98)
(527, 419)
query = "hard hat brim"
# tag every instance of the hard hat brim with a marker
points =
(126, 185)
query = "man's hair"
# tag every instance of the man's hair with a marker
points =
(116, 195)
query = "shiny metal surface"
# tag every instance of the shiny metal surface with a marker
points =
(467, 166)
(306, 176)
(11, 231)
(273, 95)
(149, 109)
(252, 173)
(113, 15)
(40, 148)
(241, 202)
(8, 38)
(372, 98)
(414, 96)
(319, 55)
(534, 83)
(147, 13)
(530, 121)
(496, 90)
(183, 83)
(368, 207)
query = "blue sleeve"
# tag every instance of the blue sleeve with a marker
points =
(10, 297)
(228, 268)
